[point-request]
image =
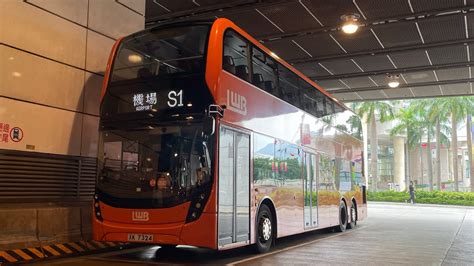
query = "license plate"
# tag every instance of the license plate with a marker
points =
(140, 237)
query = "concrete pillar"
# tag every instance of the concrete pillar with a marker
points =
(414, 158)
(399, 161)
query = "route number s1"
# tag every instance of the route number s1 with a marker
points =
(175, 98)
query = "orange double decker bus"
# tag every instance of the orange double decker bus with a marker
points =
(209, 139)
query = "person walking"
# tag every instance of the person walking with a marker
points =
(411, 189)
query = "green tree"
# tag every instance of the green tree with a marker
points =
(469, 148)
(425, 110)
(456, 108)
(370, 111)
(355, 126)
(439, 117)
(468, 104)
(409, 124)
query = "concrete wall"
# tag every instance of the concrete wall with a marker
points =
(53, 54)
(27, 225)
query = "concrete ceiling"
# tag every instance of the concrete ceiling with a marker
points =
(429, 43)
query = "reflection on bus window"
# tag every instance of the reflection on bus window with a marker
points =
(326, 173)
(276, 162)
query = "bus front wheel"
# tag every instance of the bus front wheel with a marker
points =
(342, 217)
(264, 229)
(167, 247)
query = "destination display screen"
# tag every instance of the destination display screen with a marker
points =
(152, 100)
(156, 100)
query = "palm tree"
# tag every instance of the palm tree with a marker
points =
(438, 116)
(468, 103)
(409, 124)
(469, 148)
(457, 109)
(369, 110)
(432, 117)
(355, 126)
(420, 107)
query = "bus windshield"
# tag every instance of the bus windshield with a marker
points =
(161, 51)
(153, 150)
(160, 167)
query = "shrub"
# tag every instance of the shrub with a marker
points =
(434, 197)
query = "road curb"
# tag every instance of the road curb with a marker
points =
(56, 250)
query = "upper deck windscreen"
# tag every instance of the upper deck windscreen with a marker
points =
(162, 51)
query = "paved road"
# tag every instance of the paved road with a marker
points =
(393, 234)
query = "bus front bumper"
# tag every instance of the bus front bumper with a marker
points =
(200, 233)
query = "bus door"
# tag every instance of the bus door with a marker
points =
(310, 190)
(234, 187)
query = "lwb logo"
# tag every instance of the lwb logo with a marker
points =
(236, 103)
(140, 216)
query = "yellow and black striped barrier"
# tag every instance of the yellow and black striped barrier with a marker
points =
(54, 250)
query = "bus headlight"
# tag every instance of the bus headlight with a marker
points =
(97, 212)
(198, 201)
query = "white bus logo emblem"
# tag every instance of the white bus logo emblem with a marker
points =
(140, 216)
(236, 103)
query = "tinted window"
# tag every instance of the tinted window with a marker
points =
(264, 73)
(274, 78)
(235, 58)
(157, 52)
(329, 104)
(312, 100)
(161, 165)
(288, 82)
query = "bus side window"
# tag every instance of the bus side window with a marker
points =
(235, 57)
(329, 106)
(311, 99)
(264, 71)
(289, 89)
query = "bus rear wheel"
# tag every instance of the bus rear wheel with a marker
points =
(264, 229)
(342, 217)
(353, 216)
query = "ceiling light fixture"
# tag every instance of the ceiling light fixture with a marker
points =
(350, 23)
(393, 81)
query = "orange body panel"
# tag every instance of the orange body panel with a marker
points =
(176, 214)
(166, 224)
(110, 61)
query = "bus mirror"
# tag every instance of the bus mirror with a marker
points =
(209, 125)
(217, 110)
